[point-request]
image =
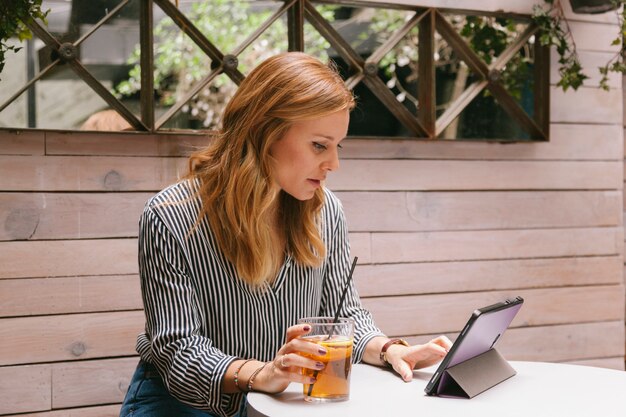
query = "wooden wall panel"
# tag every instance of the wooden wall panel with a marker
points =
(86, 173)
(494, 244)
(69, 337)
(35, 216)
(58, 258)
(587, 105)
(590, 62)
(448, 312)
(25, 388)
(91, 382)
(447, 277)
(431, 211)
(123, 144)
(102, 411)
(567, 142)
(148, 174)
(554, 343)
(66, 295)
(593, 36)
(406, 175)
(564, 342)
(22, 142)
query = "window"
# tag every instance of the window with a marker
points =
(423, 73)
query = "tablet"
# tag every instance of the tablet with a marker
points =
(480, 334)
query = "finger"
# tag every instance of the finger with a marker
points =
(297, 331)
(294, 360)
(442, 341)
(404, 370)
(306, 348)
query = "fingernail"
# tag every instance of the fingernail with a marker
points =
(319, 365)
(306, 328)
(322, 351)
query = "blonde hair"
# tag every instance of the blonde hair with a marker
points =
(236, 188)
(106, 120)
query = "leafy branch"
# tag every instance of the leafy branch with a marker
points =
(555, 31)
(13, 14)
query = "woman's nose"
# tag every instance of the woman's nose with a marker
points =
(332, 163)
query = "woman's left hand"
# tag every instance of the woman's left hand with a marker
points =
(404, 359)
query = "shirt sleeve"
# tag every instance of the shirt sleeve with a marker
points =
(191, 367)
(335, 278)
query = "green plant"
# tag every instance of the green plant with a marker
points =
(556, 32)
(179, 64)
(486, 35)
(13, 14)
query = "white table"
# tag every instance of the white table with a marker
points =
(538, 390)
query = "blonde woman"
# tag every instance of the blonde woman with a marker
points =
(251, 241)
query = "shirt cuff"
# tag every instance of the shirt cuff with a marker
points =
(359, 349)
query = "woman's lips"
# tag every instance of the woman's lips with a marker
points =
(315, 183)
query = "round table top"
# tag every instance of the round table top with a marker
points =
(539, 389)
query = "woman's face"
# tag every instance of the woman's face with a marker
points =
(307, 153)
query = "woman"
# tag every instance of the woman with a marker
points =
(251, 241)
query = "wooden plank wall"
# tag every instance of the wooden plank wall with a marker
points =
(440, 229)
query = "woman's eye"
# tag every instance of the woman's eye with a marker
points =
(318, 146)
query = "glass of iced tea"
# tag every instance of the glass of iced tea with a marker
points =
(332, 382)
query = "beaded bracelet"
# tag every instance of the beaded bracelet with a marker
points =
(254, 374)
(236, 376)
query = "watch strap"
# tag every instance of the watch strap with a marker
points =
(383, 351)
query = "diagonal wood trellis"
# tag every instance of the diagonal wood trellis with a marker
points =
(424, 124)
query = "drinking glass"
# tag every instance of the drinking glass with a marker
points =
(336, 337)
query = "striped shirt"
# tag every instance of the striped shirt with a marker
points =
(200, 316)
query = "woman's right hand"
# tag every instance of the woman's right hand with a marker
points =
(287, 366)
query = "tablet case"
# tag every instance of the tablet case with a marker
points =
(473, 364)
(470, 378)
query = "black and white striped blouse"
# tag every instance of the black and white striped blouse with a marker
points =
(200, 316)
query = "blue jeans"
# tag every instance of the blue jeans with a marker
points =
(148, 397)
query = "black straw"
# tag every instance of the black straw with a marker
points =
(336, 318)
(343, 295)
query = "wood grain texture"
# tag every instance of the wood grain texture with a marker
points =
(564, 342)
(69, 337)
(593, 36)
(25, 388)
(124, 143)
(437, 211)
(554, 343)
(65, 173)
(440, 313)
(412, 175)
(58, 258)
(102, 411)
(495, 244)
(510, 274)
(600, 106)
(35, 216)
(66, 295)
(567, 142)
(91, 382)
(22, 142)
(88, 173)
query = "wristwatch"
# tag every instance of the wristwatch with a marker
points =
(383, 351)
